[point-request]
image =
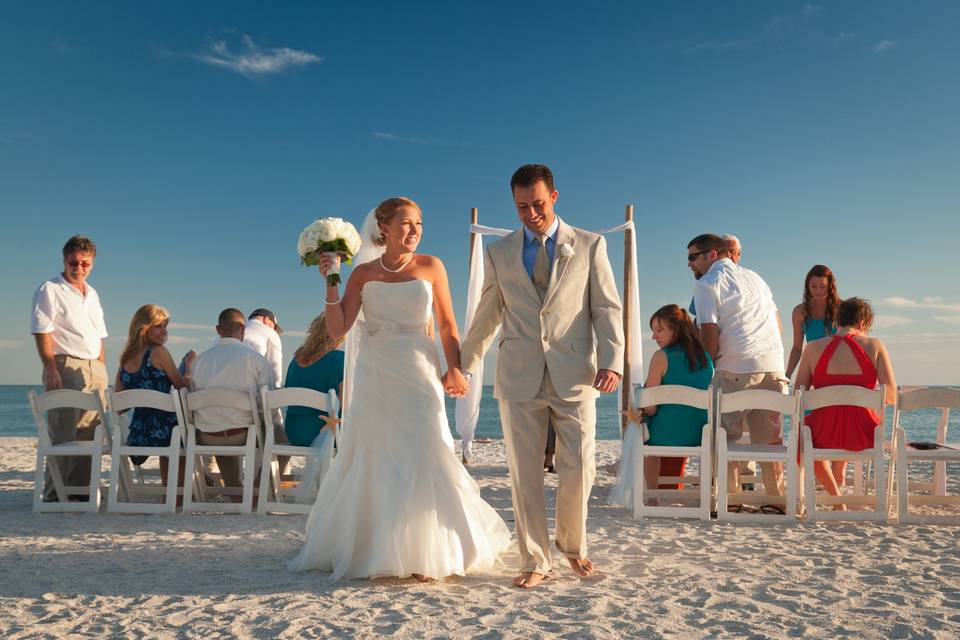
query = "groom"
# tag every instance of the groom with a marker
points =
(550, 289)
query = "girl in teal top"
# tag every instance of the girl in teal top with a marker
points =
(814, 318)
(316, 365)
(681, 360)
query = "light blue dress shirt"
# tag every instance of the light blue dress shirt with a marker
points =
(531, 245)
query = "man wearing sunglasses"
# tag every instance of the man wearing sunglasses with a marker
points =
(67, 325)
(740, 329)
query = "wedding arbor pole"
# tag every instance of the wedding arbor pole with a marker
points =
(474, 216)
(625, 386)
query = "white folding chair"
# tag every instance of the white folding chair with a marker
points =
(935, 492)
(272, 489)
(48, 453)
(688, 396)
(127, 488)
(853, 396)
(766, 400)
(246, 401)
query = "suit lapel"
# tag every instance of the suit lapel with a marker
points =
(516, 255)
(564, 237)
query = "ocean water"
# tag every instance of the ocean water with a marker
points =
(16, 419)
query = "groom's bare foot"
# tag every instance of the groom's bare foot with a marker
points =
(529, 579)
(583, 568)
(422, 578)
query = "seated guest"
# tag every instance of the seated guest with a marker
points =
(262, 334)
(848, 358)
(683, 361)
(229, 364)
(146, 364)
(316, 365)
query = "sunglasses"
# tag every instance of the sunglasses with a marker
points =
(693, 256)
(86, 264)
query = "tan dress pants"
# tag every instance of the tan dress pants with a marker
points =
(67, 425)
(764, 427)
(525, 435)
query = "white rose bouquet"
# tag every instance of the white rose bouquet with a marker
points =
(328, 235)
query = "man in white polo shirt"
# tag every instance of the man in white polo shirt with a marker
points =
(262, 334)
(67, 325)
(740, 328)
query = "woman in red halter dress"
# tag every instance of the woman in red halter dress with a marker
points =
(848, 358)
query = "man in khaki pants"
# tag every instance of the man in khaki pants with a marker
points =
(550, 290)
(67, 325)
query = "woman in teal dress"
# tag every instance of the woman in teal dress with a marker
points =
(681, 360)
(815, 317)
(316, 365)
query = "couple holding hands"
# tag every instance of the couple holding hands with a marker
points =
(396, 500)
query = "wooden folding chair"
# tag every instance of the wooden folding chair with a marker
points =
(688, 396)
(849, 395)
(785, 454)
(48, 453)
(127, 487)
(273, 487)
(246, 401)
(935, 492)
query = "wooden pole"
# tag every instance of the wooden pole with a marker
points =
(474, 216)
(625, 390)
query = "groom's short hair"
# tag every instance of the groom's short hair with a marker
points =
(530, 174)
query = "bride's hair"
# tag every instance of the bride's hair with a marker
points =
(387, 209)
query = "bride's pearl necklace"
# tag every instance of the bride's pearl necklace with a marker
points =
(398, 269)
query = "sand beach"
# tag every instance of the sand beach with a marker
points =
(217, 576)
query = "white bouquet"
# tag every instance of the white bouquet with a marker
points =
(328, 235)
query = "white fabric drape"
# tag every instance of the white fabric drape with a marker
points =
(468, 408)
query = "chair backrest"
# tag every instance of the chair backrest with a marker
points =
(766, 399)
(118, 401)
(673, 394)
(924, 398)
(272, 400)
(40, 403)
(847, 395)
(193, 401)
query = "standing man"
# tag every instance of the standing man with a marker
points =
(550, 290)
(262, 334)
(739, 327)
(67, 325)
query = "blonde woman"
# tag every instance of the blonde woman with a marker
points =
(318, 365)
(146, 364)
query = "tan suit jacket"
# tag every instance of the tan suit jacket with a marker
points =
(576, 330)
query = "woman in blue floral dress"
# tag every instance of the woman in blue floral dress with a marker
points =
(146, 364)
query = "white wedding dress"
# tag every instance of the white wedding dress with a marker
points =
(396, 500)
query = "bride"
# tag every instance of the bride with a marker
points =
(396, 500)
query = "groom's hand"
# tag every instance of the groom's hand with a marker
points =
(606, 381)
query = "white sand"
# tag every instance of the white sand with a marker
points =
(161, 576)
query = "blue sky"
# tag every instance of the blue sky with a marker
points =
(193, 141)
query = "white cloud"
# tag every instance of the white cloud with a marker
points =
(60, 46)
(294, 334)
(254, 61)
(935, 303)
(884, 45)
(392, 137)
(10, 344)
(885, 321)
(948, 319)
(810, 10)
(181, 340)
(188, 326)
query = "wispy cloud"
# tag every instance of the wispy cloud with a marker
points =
(251, 60)
(935, 303)
(10, 344)
(887, 321)
(948, 319)
(776, 30)
(393, 137)
(294, 334)
(181, 340)
(946, 340)
(60, 46)
(188, 326)
(884, 45)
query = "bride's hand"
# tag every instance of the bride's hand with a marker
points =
(455, 384)
(327, 262)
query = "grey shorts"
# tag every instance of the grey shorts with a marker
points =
(764, 427)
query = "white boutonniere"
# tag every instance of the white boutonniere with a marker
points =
(566, 251)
